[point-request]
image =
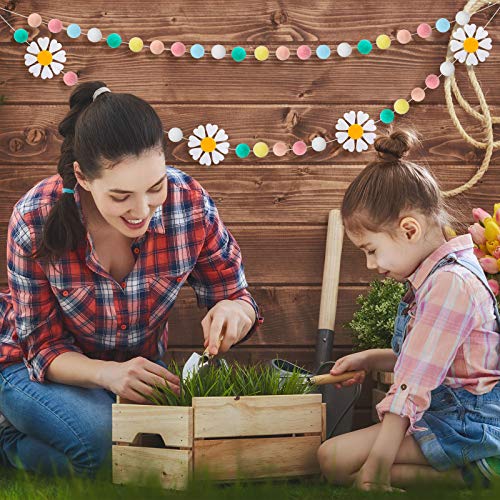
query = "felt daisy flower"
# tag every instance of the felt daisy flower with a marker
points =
(470, 45)
(44, 58)
(208, 144)
(355, 131)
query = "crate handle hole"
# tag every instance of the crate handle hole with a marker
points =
(148, 440)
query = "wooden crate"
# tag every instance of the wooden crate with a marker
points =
(383, 382)
(222, 438)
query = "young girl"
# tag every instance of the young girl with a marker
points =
(441, 417)
(96, 258)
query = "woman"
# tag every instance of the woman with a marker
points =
(96, 257)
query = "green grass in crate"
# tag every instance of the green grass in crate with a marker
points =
(234, 380)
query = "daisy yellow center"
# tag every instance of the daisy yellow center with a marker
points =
(355, 131)
(44, 57)
(471, 45)
(208, 144)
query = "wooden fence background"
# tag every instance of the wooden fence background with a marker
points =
(276, 207)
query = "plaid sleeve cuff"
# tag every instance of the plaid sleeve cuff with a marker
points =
(399, 401)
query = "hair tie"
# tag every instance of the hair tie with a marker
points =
(99, 91)
(68, 191)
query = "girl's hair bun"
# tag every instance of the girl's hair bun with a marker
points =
(395, 145)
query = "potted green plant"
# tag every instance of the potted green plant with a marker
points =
(372, 327)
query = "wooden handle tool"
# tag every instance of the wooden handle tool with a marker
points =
(333, 379)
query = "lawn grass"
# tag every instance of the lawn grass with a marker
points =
(17, 485)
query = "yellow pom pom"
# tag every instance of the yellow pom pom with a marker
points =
(261, 53)
(260, 149)
(383, 42)
(135, 44)
(401, 106)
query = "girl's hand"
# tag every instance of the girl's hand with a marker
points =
(230, 318)
(352, 362)
(135, 378)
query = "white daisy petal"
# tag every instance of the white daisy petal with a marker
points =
(56, 67)
(33, 48)
(223, 147)
(369, 137)
(361, 146)
(460, 56)
(46, 73)
(460, 35)
(60, 56)
(470, 29)
(482, 54)
(342, 125)
(481, 33)
(221, 136)
(54, 46)
(485, 44)
(199, 131)
(341, 136)
(193, 141)
(43, 42)
(206, 160)
(349, 145)
(456, 45)
(350, 117)
(370, 126)
(35, 69)
(217, 157)
(361, 117)
(29, 59)
(471, 59)
(196, 153)
(211, 129)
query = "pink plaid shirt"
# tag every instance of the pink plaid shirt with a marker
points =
(452, 336)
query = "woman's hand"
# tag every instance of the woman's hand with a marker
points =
(135, 378)
(230, 318)
(352, 362)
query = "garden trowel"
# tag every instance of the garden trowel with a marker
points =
(198, 363)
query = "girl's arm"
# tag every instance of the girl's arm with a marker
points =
(376, 471)
(382, 359)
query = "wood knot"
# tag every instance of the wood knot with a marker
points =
(279, 17)
(291, 119)
(15, 145)
(34, 136)
(279, 199)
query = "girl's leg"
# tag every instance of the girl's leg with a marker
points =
(55, 427)
(341, 458)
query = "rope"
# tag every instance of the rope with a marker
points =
(487, 121)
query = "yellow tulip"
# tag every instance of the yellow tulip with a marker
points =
(492, 231)
(492, 246)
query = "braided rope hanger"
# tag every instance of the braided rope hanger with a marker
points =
(487, 121)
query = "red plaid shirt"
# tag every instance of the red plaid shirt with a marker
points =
(75, 305)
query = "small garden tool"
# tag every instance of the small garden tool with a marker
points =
(199, 363)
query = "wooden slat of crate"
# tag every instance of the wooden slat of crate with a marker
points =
(383, 377)
(173, 424)
(132, 464)
(228, 459)
(257, 416)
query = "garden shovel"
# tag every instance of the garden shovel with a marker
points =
(197, 364)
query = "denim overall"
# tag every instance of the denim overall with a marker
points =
(461, 428)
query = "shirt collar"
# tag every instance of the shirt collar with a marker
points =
(457, 244)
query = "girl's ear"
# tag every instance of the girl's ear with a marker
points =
(80, 178)
(411, 228)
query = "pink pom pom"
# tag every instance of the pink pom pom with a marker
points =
(304, 52)
(178, 49)
(432, 82)
(424, 30)
(70, 78)
(156, 47)
(299, 148)
(34, 20)
(280, 149)
(55, 26)
(282, 53)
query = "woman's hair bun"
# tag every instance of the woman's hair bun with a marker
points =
(396, 144)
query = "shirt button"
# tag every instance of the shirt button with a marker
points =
(124, 284)
(179, 279)
(403, 387)
(123, 327)
(65, 293)
(137, 251)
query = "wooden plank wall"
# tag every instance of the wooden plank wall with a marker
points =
(276, 207)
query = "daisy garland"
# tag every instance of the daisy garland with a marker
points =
(209, 144)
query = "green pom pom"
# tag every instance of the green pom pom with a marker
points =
(242, 150)
(114, 40)
(387, 115)
(20, 36)
(364, 47)
(238, 54)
